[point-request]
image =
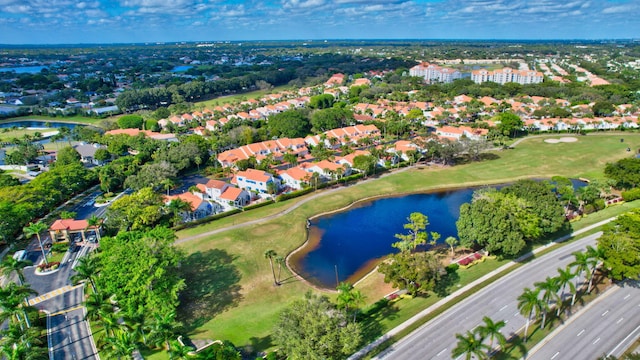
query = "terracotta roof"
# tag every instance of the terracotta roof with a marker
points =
(69, 224)
(231, 193)
(256, 175)
(187, 197)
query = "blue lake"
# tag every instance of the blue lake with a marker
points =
(352, 241)
(344, 246)
(23, 69)
(181, 68)
(37, 124)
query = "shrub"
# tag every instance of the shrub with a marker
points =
(207, 219)
(630, 195)
(258, 205)
(451, 268)
(60, 247)
(294, 194)
(589, 208)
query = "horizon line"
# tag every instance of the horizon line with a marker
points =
(323, 40)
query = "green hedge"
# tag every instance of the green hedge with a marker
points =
(207, 219)
(258, 205)
(294, 194)
(630, 195)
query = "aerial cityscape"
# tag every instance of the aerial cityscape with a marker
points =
(315, 179)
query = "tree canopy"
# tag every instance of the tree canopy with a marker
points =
(290, 123)
(620, 246)
(130, 122)
(313, 328)
(625, 173)
(504, 221)
(141, 269)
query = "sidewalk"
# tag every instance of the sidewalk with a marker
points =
(362, 352)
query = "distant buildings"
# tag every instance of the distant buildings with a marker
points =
(434, 73)
(505, 75)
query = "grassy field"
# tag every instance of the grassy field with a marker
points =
(69, 119)
(230, 293)
(240, 97)
(19, 133)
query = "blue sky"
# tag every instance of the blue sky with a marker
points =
(127, 21)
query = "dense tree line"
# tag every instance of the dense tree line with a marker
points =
(505, 221)
(19, 204)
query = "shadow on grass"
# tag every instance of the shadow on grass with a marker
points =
(211, 286)
(370, 319)
(447, 283)
(257, 344)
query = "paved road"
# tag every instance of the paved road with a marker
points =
(607, 327)
(68, 332)
(436, 339)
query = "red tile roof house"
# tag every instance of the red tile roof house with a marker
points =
(294, 177)
(234, 196)
(64, 229)
(199, 207)
(256, 180)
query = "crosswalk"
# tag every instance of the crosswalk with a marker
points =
(51, 294)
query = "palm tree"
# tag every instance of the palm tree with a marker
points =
(10, 265)
(491, 330)
(110, 321)
(86, 269)
(271, 254)
(581, 265)
(595, 255)
(177, 206)
(36, 229)
(12, 302)
(95, 222)
(119, 345)
(469, 346)
(280, 261)
(138, 324)
(180, 351)
(564, 278)
(14, 335)
(163, 329)
(167, 184)
(357, 299)
(345, 296)
(528, 304)
(549, 287)
(452, 242)
(97, 304)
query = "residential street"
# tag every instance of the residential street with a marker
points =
(68, 333)
(607, 327)
(436, 339)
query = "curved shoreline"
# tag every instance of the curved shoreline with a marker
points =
(303, 246)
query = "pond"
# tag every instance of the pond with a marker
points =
(24, 69)
(346, 245)
(37, 124)
(181, 68)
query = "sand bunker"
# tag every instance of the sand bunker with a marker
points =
(567, 139)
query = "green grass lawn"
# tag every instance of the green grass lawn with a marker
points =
(241, 97)
(69, 119)
(230, 293)
(19, 133)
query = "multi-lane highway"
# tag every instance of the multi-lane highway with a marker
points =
(436, 339)
(607, 327)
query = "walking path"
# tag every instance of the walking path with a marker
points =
(398, 329)
(285, 211)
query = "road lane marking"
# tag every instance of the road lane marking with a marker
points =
(595, 342)
(554, 355)
(605, 313)
(516, 314)
(623, 341)
(441, 352)
(66, 310)
(626, 297)
(581, 332)
(52, 294)
(504, 307)
(619, 320)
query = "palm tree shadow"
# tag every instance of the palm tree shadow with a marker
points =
(211, 280)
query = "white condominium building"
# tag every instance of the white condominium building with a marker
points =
(434, 73)
(505, 75)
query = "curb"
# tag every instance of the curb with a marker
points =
(368, 348)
